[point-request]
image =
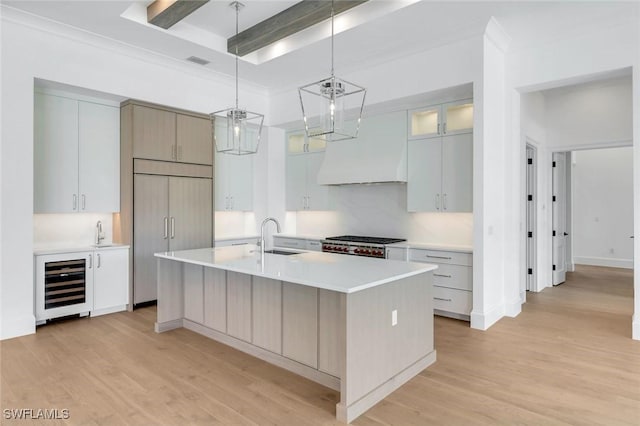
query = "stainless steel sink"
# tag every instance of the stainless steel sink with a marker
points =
(282, 252)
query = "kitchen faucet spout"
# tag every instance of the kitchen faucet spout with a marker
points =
(264, 223)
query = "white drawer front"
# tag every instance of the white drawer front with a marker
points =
(397, 253)
(290, 243)
(451, 300)
(453, 276)
(436, 256)
(314, 245)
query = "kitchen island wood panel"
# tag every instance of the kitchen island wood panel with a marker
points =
(345, 340)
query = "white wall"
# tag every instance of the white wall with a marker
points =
(597, 113)
(603, 206)
(40, 49)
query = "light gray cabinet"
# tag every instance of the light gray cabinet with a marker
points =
(267, 314)
(304, 158)
(300, 323)
(440, 174)
(239, 306)
(76, 156)
(441, 119)
(171, 213)
(215, 299)
(234, 182)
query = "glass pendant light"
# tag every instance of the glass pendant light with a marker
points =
(325, 102)
(235, 130)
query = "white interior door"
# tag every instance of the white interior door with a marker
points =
(559, 202)
(531, 219)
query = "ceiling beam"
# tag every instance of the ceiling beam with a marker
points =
(165, 13)
(290, 21)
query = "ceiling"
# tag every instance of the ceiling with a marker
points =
(377, 31)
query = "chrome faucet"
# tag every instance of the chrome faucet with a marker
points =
(99, 233)
(262, 242)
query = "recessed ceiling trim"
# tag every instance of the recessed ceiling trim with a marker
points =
(166, 13)
(298, 17)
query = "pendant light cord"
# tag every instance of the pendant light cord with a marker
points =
(332, 38)
(237, 13)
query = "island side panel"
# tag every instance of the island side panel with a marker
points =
(170, 309)
(215, 299)
(300, 323)
(330, 331)
(380, 357)
(267, 314)
(239, 305)
(193, 281)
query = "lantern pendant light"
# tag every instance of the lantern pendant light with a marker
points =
(235, 130)
(325, 102)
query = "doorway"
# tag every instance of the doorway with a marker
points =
(532, 197)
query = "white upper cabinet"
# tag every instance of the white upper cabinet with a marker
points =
(440, 160)
(304, 158)
(77, 156)
(234, 182)
(440, 120)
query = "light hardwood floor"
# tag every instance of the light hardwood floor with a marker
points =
(566, 359)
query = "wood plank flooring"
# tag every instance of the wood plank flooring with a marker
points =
(567, 359)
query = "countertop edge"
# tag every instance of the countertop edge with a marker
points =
(76, 249)
(428, 246)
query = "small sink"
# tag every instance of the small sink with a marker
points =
(282, 252)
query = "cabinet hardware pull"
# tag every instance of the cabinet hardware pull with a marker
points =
(438, 128)
(444, 300)
(437, 201)
(444, 129)
(84, 202)
(231, 202)
(179, 155)
(442, 275)
(173, 227)
(438, 257)
(75, 201)
(444, 201)
(173, 152)
(166, 227)
(90, 261)
(98, 256)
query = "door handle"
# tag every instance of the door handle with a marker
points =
(173, 227)
(90, 261)
(75, 201)
(179, 152)
(442, 275)
(438, 128)
(444, 201)
(565, 234)
(437, 201)
(84, 202)
(166, 227)
(440, 298)
(98, 256)
(444, 129)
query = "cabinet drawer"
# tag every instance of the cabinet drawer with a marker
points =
(290, 243)
(314, 245)
(452, 300)
(437, 256)
(453, 276)
(397, 253)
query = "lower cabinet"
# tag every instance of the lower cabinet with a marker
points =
(452, 281)
(269, 314)
(110, 281)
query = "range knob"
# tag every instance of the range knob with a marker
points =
(356, 251)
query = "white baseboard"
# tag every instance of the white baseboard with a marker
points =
(111, 310)
(484, 320)
(604, 261)
(513, 308)
(635, 333)
(16, 327)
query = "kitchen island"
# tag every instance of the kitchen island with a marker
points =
(358, 325)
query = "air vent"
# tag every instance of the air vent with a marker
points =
(197, 60)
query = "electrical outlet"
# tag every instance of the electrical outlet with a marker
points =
(394, 317)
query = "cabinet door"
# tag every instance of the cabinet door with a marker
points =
(300, 323)
(457, 117)
(424, 175)
(154, 134)
(99, 151)
(239, 305)
(318, 195)
(55, 154)
(150, 232)
(425, 122)
(267, 314)
(240, 179)
(222, 176)
(457, 173)
(111, 279)
(190, 211)
(296, 143)
(296, 182)
(194, 140)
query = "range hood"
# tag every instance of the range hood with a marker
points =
(378, 155)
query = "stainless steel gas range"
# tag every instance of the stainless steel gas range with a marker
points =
(356, 245)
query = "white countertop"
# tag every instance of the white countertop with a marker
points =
(429, 246)
(73, 248)
(336, 272)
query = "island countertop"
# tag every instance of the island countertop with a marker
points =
(336, 272)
